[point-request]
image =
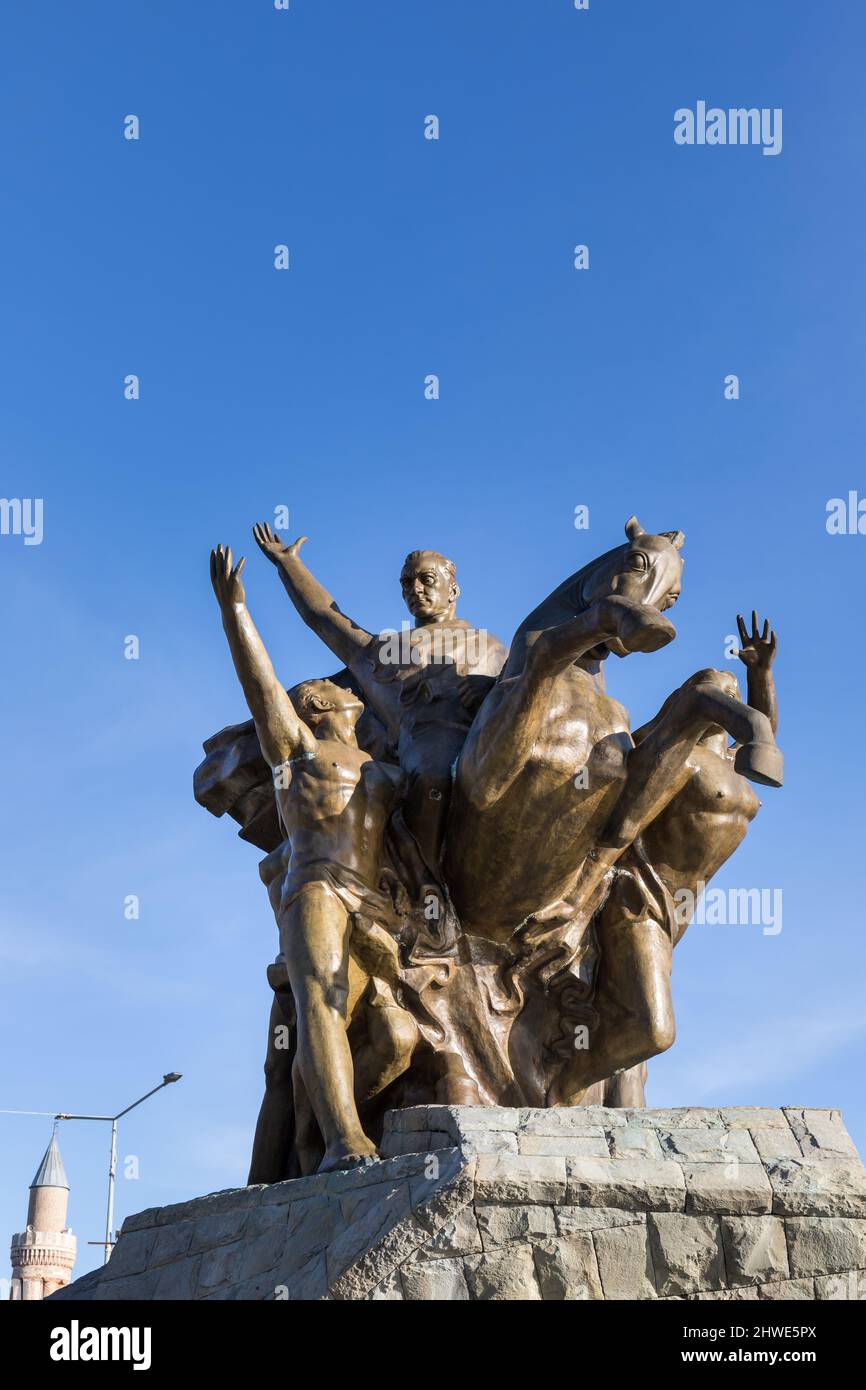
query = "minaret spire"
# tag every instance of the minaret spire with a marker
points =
(43, 1255)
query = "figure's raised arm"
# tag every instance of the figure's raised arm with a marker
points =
(281, 733)
(757, 654)
(312, 600)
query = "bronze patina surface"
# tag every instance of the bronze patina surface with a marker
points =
(477, 870)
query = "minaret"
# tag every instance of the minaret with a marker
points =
(43, 1255)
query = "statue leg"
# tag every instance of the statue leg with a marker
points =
(389, 1037)
(314, 937)
(633, 1003)
(627, 1089)
(455, 1086)
(502, 738)
(309, 1149)
(658, 767)
(275, 1129)
(426, 801)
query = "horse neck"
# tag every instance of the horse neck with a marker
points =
(573, 589)
(566, 601)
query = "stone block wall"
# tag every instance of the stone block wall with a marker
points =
(488, 1204)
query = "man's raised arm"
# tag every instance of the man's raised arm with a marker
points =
(757, 654)
(282, 734)
(313, 602)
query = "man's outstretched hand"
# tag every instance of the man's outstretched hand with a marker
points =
(227, 583)
(758, 648)
(271, 545)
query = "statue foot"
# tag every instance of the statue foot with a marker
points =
(355, 1153)
(760, 762)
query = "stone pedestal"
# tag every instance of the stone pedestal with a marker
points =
(478, 1204)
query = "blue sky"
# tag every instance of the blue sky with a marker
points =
(305, 388)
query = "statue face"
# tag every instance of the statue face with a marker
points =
(727, 683)
(429, 592)
(651, 572)
(648, 570)
(329, 701)
(343, 701)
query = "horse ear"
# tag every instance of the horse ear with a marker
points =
(633, 528)
(676, 538)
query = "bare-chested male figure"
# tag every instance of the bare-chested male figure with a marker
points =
(707, 820)
(334, 802)
(696, 833)
(425, 690)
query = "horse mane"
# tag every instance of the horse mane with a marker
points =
(568, 600)
(575, 582)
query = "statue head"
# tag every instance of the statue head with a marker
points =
(429, 584)
(651, 567)
(725, 681)
(648, 569)
(326, 708)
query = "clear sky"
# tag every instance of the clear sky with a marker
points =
(305, 388)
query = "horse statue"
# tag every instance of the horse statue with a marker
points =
(551, 794)
(534, 858)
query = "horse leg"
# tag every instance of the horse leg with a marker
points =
(633, 1003)
(627, 1089)
(658, 767)
(504, 734)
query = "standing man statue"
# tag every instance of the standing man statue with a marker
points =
(425, 691)
(334, 802)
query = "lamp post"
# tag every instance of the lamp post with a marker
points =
(167, 1080)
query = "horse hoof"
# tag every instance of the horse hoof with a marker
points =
(645, 630)
(760, 762)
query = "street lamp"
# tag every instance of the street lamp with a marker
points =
(167, 1080)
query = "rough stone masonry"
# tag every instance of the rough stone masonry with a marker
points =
(475, 1203)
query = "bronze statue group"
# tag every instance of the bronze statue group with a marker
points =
(472, 861)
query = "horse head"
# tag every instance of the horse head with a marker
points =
(647, 569)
